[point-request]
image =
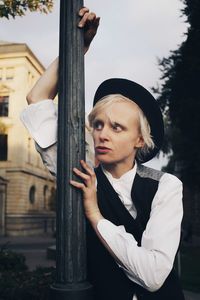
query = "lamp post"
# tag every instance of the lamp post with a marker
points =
(71, 274)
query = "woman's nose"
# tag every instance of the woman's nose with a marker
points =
(104, 134)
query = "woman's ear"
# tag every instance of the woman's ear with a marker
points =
(140, 143)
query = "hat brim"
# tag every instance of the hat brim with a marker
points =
(144, 100)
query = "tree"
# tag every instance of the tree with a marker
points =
(13, 8)
(179, 98)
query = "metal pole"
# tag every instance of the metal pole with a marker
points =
(71, 274)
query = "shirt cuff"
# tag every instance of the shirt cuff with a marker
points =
(41, 121)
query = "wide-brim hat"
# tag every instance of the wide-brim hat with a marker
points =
(144, 100)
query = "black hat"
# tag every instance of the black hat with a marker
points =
(144, 100)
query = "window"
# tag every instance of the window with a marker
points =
(32, 194)
(30, 78)
(45, 193)
(10, 73)
(52, 199)
(3, 147)
(4, 100)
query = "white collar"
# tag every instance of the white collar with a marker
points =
(123, 187)
(127, 177)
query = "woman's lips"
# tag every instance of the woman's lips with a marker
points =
(101, 149)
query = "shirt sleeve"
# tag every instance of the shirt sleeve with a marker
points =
(49, 157)
(41, 121)
(150, 264)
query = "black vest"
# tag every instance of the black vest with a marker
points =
(109, 281)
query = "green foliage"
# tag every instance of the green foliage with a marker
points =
(13, 8)
(11, 261)
(17, 283)
(180, 102)
(191, 11)
(32, 285)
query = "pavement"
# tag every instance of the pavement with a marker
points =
(33, 248)
(35, 251)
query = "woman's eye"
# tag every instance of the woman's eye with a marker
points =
(116, 127)
(98, 125)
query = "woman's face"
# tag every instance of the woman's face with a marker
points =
(116, 134)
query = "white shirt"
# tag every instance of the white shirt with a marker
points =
(150, 264)
(123, 186)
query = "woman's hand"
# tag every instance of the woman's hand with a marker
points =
(88, 187)
(89, 22)
(92, 211)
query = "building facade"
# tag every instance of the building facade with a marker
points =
(27, 190)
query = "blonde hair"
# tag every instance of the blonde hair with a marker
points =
(144, 126)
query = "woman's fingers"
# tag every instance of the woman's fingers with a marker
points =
(89, 177)
(88, 188)
(89, 22)
(87, 168)
(83, 10)
(89, 171)
(81, 174)
(78, 185)
(87, 18)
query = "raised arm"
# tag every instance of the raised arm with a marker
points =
(46, 86)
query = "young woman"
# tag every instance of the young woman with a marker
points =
(134, 213)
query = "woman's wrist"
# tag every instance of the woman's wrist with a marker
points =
(94, 217)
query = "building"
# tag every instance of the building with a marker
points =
(27, 190)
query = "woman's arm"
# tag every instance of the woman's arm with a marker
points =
(46, 86)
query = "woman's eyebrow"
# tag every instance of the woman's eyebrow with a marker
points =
(118, 124)
(97, 120)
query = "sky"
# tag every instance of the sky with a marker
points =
(132, 35)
